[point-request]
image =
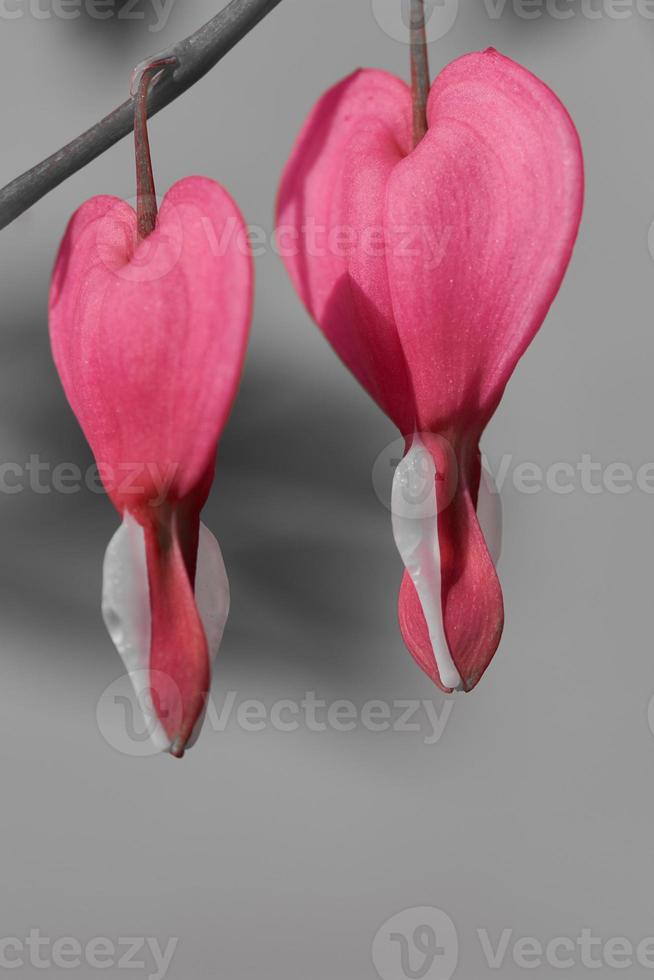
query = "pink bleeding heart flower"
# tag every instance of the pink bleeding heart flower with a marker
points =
(149, 319)
(429, 268)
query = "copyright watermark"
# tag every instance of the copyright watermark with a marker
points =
(565, 10)
(157, 255)
(416, 944)
(128, 720)
(41, 952)
(155, 12)
(422, 943)
(525, 477)
(151, 481)
(394, 18)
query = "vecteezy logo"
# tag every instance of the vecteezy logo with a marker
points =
(650, 714)
(650, 239)
(128, 712)
(395, 18)
(416, 944)
(418, 489)
(147, 261)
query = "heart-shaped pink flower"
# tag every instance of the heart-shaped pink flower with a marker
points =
(149, 337)
(429, 269)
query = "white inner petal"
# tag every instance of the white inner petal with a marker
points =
(415, 529)
(126, 607)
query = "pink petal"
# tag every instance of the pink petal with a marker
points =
(494, 193)
(330, 225)
(150, 341)
(179, 655)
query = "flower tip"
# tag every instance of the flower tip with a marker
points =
(471, 679)
(178, 747)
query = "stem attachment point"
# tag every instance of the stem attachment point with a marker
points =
(420, 80)
(143, 78)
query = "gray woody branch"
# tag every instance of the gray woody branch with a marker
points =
(196, 55)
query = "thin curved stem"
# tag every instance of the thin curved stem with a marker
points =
(146, 194)
(420, 80)
(196, 55)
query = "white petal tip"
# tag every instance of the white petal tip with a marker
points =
(126, 611)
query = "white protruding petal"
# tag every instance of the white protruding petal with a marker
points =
(489, 513)
(126, 607)
(415, 529)
(211, 590)
(126, 613)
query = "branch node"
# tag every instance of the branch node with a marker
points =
(165, 59)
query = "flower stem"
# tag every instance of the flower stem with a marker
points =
(420, 81)
(146, 195)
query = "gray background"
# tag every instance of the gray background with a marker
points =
(274, 854)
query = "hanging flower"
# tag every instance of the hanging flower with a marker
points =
(149, 317)
(429, 264)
